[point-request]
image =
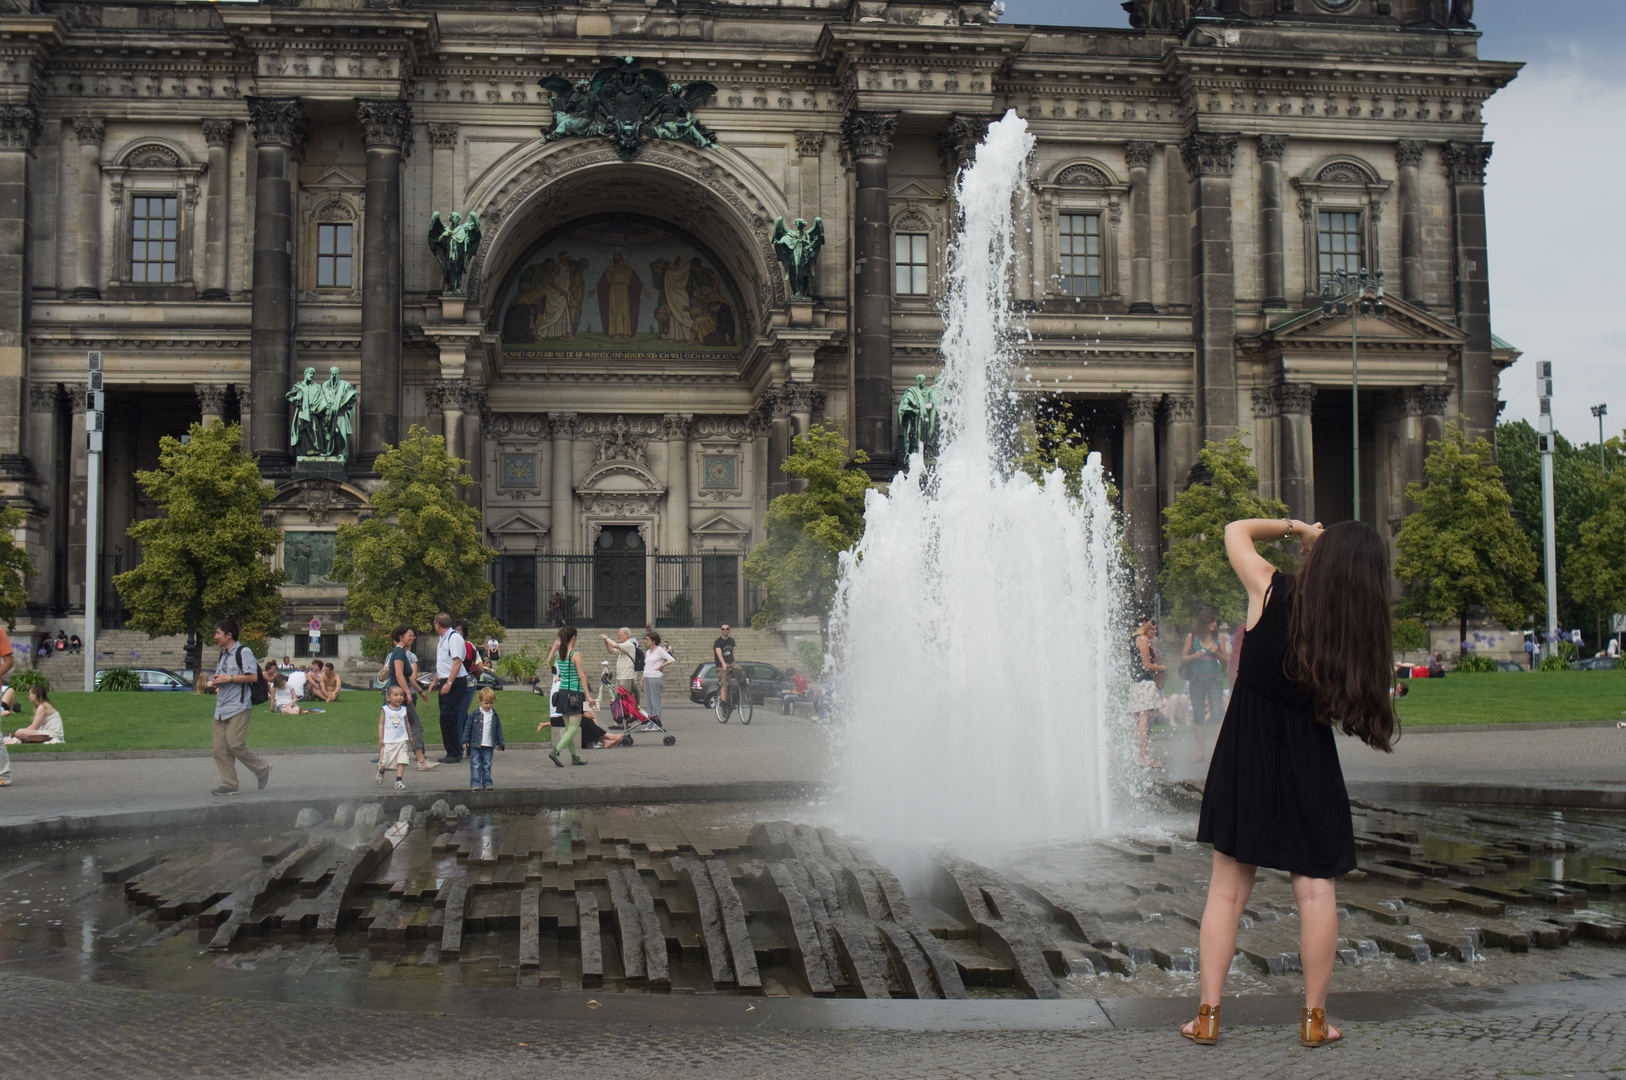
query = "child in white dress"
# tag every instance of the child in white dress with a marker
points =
(392, 737)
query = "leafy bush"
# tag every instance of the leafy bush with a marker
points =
(810, 651)
(1410, 635)
(1554, 663)
(22, 680)
(680, 608)
(256, 640)
(519, 667)
(119, 680)
(1472, 663)
(376, 644)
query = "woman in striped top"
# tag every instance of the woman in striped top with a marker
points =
(572, 695)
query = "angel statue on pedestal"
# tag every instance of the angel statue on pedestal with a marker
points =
(798, 252)
(453, 244)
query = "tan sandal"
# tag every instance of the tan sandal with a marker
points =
(1314, 1029)
(1205, 1029)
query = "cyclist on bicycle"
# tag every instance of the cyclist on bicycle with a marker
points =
(723, 650)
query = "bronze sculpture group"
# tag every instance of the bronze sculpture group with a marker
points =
(321, 417)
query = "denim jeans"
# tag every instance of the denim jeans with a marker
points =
(480, 765)
(1207, 699)
(454, 706)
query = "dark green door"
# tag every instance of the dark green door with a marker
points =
(618, 577)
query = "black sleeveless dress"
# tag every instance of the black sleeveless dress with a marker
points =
(1275, 794)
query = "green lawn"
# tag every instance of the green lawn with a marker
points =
(171, 721)
(1511, 696)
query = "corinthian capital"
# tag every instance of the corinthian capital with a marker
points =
(1209, 153)
(1138, 153)
(1295, 397)
(960, 138)
(1465, 161)
(675, 426)
(19, 126)
(1409, 152)
(218, 132)
(276, 121)
(1272, 147)
(384, 123)
(869, 134)
(443, 136)
(1141, 408)
(89, 130)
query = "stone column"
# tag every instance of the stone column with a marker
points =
(448, 395)
(1179, 443)
(562, 527)
(1432, 401)
(19, 128)
(806, 401)
(1140, 491)
(44, 438)
(1177, 197)
(245, 409)
(475, 417)
(217, 209)
(1209, 158)
(1410, 409)
(1271, 148)
(386, 127)
(1465, 163)
(869, 140)
(676, 427)
(279, 126)
(87, 248)
(1409, 158)
(78, 472)
(1265, 441)
(776, 405)
(1297, 462)
(1138, 156)
(211, 401)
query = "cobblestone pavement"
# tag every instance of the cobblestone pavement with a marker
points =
(75, 1030)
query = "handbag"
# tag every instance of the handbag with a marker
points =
(569, 702)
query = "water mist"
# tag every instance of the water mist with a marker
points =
(976, 625)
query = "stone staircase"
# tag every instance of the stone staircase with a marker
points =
(115, 648)
(692, 647)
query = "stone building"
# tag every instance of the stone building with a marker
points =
(218, 196)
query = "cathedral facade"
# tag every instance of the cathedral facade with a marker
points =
(217, 197)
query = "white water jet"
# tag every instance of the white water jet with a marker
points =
(976, 627)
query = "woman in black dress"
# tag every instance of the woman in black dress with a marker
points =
(1317, 653)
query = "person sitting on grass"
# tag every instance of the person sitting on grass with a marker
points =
(283, 701)
(330, 682)
(47, 725)
(8, 700)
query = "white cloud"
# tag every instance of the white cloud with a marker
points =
(1557, 239)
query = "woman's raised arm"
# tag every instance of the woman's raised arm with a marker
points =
(1252, 568)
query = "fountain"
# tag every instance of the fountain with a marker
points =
(977, 623)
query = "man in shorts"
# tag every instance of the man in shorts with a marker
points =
(723, 650)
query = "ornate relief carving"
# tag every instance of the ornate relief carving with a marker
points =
(211, 397)
(1141, 408)
(809, 143)
(1264, 402)
(869, 134)
(1179, 408)
(1083, 176)
(219, 132)
(443, 136)
(959, 139)
(1465, 161)
(276, 121)
(1271, 147)
(44, 397)
(1433, 399)
(434, 396)
(385, 123)
(19, 126)
(736, 428)
(676, 426)
(1208, 153)
(803, 397)
(620, 438)
(245, 397)
(1343, 172)
(89, 129)
(564, 425)
(1409, 152)
(1295, 398)
(1138, 153)
(518, 426)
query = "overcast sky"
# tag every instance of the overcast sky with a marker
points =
(1550, 186)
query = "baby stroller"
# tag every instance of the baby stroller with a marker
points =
(626, 711)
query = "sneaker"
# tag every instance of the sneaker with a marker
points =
(426, 765)
(379, 779)
(474, 787)
(400, 785)
(266, 779)
(224, 790)
(449, 761)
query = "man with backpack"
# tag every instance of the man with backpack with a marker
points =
(238, 688)
(451, 680)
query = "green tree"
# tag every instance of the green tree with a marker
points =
(1462, 549)
(15, 567)
(420, 551)
(1595, 572)
(207, 555)
(1196, 571)
(1049, 444)
(808, 530)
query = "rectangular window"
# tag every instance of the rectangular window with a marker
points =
(909, 264)
(1338, 242)
(154, 233)
(333, 255)
(1080, 244)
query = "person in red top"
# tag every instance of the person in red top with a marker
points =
(789, 698)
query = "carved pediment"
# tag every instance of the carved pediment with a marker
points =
(721, 526)
(320, 501)
(1404, 323)
(620, 478)
(518, 531)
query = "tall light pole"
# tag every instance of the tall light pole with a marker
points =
(1600, 411)
(1544, 443)
(95, 403)
(1355, 295)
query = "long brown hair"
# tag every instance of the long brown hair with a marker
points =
(1340, 632)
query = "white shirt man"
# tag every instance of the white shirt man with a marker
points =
(296, 684)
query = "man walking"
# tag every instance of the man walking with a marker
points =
(450, 681)
(235, 673)
(625, 651)
(723, 650)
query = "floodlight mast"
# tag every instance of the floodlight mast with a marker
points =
(1544, 443)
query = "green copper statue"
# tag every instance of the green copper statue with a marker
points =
(453, 243)
(798, 252)
(321, 417)
(918, 418)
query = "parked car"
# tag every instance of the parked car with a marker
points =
(1593, 663)
(153, 679)
(766, 681)
(1510, 665)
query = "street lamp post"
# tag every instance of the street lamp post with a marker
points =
(1354, 295)
(1544, 444)
(1600, 411)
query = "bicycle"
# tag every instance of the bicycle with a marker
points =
(739, 691)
